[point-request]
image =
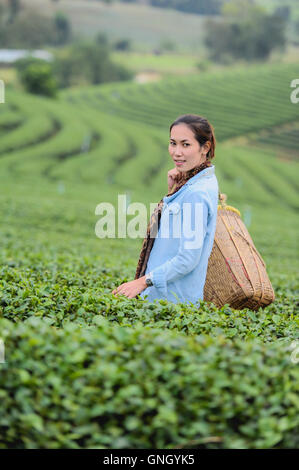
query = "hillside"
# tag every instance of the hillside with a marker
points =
(146, 26)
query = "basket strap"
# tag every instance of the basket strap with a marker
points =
(234, 242)
(253, 251)
(252, 247)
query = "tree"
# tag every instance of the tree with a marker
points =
(37, 77)
(241, 9)
(122, 45)
(62, 28)
(87, 62)
(250, 36)
(166, 45)
(1, 13)
(14, 7)
(29, 29)
(101, 38)
(284, 12)
(202, 7)
(2, 26)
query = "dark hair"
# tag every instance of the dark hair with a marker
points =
(202, 129)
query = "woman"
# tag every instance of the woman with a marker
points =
(174, 267)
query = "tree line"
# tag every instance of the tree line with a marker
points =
(201, 7)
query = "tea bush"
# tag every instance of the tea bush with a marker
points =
(118, 387)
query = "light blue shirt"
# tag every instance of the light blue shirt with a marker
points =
(179, 257)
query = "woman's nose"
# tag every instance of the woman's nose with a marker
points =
(178, 151)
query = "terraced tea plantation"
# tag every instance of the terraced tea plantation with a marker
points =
(84, 369)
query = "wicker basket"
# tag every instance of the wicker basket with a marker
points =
(236, 273)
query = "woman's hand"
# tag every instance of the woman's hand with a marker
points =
(171, 177)
(132, 288)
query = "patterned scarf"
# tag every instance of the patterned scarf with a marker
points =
(154, 223)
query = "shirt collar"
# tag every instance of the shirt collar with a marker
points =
(206, 172)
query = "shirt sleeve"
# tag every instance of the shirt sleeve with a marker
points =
(194, 222)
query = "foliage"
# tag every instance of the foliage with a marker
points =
(166, 45)
(60, 295)
(251, 37)
(37, 77)
(14, 7)
(81, 63)
(87, 369)
(63, 28)
(29, 29)
(118, 387)
(88, 63)
(122, 45)
(202, 7)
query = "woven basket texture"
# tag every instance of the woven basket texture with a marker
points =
(236, 273)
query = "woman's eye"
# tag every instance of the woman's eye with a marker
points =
(185, 144)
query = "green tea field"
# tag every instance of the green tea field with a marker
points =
(84, 369)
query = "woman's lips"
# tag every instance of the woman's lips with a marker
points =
(179, 163)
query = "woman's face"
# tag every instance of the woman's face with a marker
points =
(184, 149)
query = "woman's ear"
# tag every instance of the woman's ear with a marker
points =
(207, 147)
